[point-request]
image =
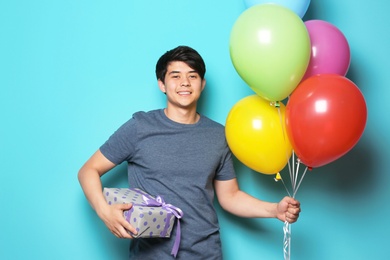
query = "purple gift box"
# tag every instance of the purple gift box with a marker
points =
(151, 216)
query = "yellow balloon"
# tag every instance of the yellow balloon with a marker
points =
(256, 134)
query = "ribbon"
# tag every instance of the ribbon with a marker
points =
(159, 202)
(287, 240)
(150, 201)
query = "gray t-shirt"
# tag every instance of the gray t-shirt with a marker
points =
(178, 162)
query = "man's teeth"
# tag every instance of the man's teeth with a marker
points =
(184, 92)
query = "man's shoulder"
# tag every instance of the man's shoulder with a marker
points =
(142, 115)
(148, 119)
(210, 122)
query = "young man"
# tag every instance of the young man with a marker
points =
(182, 156)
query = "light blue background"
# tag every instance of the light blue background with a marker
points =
(71, 72)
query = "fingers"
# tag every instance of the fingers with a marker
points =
(127, 228)
(293, 212)
(124, 207)
(124, 227)
(292, 201)
(116, 223)
(120, 232)
(291, 218)
(292, 208)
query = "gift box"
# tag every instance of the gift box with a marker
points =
(151, 216)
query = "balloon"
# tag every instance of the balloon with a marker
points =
(255, 135)
(325, 117)
(270, 50)
(330, 49)
(297, 6)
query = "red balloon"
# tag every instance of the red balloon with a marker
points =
(325, 117)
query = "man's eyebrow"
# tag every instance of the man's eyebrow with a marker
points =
(177, 71)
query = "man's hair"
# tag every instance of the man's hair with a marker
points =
(181, 53)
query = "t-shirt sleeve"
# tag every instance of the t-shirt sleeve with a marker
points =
(120, 145)
(226, 170)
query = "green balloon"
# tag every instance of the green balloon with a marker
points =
(270, 50)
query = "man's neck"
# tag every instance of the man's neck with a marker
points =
(182, 116)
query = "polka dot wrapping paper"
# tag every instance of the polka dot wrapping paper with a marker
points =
(151, 216)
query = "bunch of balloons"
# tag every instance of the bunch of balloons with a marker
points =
(284, 59)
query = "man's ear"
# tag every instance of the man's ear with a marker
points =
(161, 86)
(203, 83)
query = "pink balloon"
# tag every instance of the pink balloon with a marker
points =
(330, 53)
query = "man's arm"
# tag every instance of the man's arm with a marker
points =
(112, 215)
(239, 203)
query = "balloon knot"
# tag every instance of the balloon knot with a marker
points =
(277, 177)
(275, 104)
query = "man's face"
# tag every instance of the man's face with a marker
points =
(183, 85)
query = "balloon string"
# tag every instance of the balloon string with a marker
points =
(285, 186)
(295, 184)
(291, 169)
(289, 165)
(294, 172)
(287, 227)
(296, 177)
(277, 105)
(300, 181)
(287, 240)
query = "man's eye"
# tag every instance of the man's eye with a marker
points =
(193, 76)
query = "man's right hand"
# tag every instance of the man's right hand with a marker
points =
(112, 216)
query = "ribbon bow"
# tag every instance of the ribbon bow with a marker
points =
(159, 202)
